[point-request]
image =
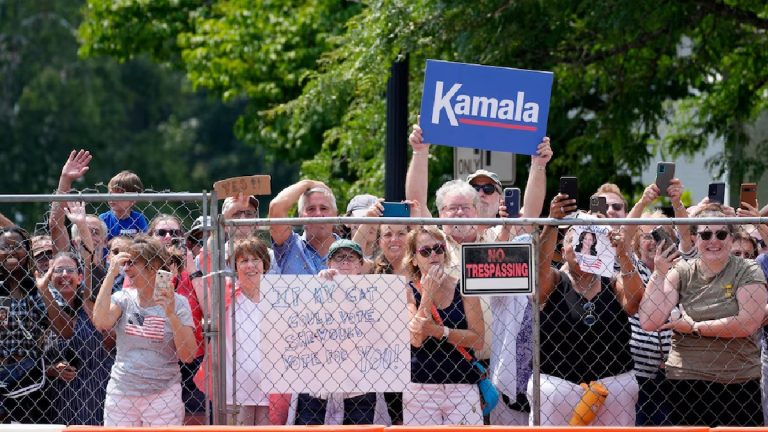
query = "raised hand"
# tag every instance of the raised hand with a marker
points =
(76, 165)
(543, 153)
(416, 140)
(75, 212)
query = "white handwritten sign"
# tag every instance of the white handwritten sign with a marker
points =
(345, 335)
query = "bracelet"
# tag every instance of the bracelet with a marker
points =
(629, 273)
(539, 167)
(446, 332)
(421, 153)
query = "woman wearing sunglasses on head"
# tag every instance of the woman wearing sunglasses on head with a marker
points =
(585, 333)
(154, 331)
(715, 347)
(443, 388)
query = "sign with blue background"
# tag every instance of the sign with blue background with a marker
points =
(485, 107)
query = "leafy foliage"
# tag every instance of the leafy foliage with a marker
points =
(315, 72)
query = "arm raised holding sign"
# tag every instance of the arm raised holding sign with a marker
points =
(417, 177)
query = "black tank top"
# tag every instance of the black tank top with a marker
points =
(576, 351)
(437, 361)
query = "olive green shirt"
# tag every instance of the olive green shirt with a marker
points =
(722, 360)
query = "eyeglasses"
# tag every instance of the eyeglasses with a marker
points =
(617, 206)
(192, 242)
(487, 188)
(745, 255)
(426, 251)
(720, 234)
(165, 232)
(60, 270)
(589, 319)
(340, 258)
(246, 214)
(465, 208)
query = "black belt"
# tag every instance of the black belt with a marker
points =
(519, 404)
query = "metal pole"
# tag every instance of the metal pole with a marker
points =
(395, 152)
(536, 402)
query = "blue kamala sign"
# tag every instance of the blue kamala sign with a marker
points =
(485, 107)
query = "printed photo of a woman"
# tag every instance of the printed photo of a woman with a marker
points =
(587, 243)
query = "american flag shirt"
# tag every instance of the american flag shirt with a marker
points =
(146, 361)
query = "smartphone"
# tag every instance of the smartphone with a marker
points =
(162, 281)
(659, 234)
(396, 209)
(748, 194)
(665, 172)
(570, 186)
(512, 201)
(598, 204)
(717, 192)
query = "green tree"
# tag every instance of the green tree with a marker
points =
(621, 69)
(137, 115)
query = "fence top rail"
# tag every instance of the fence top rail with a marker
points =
(101, 197)
(497, 221)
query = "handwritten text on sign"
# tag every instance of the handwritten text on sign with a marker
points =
(485, 107)
(345, 335)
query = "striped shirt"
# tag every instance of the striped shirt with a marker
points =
(649, 349)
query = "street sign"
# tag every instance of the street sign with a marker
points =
(467, 160)
(497, 269)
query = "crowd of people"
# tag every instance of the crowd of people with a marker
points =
(101, 317)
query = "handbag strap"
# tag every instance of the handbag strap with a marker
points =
(439, 320)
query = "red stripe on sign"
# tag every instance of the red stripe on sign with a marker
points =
(496, 124)
(153, 328)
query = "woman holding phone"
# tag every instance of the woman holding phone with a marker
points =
(154, 331)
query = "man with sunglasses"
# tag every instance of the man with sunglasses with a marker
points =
(617, 205)
(488, 187)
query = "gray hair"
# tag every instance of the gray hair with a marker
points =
(325, 191)
(102, 227)
(459, 187)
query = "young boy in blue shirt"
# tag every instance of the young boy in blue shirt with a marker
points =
(122, 219)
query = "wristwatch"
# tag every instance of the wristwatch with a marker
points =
(694, 330)
(446, 332)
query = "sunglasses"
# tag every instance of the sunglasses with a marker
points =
(60, 270)
(192, 242)
(426, 251)
(589, 319)
(720, 234)
(165, 232)
(340, 258)
(246, 214)
(617, 206)
(487, 188)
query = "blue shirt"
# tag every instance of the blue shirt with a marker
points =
(135, 223)
(297, 256)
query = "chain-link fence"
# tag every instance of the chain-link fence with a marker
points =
(626, 335)
(319, 330)
(91, 331)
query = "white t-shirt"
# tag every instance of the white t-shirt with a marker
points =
(249, 362)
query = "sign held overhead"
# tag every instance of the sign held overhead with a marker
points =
(486, 107)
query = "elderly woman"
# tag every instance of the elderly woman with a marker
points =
(585, 332)
(443, 388)
(251, 258)
(714, 365)
(154, 331)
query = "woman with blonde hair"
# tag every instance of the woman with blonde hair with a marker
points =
(443, 387)
(154, 331)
